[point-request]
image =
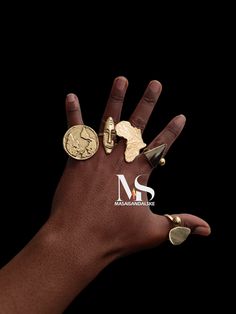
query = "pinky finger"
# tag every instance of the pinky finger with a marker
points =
(170, 133)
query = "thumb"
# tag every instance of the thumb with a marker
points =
(159, 227)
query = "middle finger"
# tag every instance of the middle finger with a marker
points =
(115, 101)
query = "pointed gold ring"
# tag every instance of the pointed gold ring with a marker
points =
(155, 155)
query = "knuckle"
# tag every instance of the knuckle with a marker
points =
(138, 123)
(72, 107)
(173, 129)
(149, 99)
(116, 97)
(72, 110)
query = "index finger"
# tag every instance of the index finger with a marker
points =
(73, 112)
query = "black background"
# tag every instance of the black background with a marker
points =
(43, 62)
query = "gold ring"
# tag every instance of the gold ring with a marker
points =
(80, 142)
(133, 136)
(155, 155)
(109, 135)
(162, 162)
(176, 220)
(177, 234)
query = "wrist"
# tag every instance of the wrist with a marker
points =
(84, 253)
(49, 272)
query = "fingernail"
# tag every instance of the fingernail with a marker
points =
(155, 86)
(203, 231)
(70, 97)
(121, 83)
(180, 120)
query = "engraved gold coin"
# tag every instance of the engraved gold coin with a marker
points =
(80, 142)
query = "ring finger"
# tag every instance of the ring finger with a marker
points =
(143, 111)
